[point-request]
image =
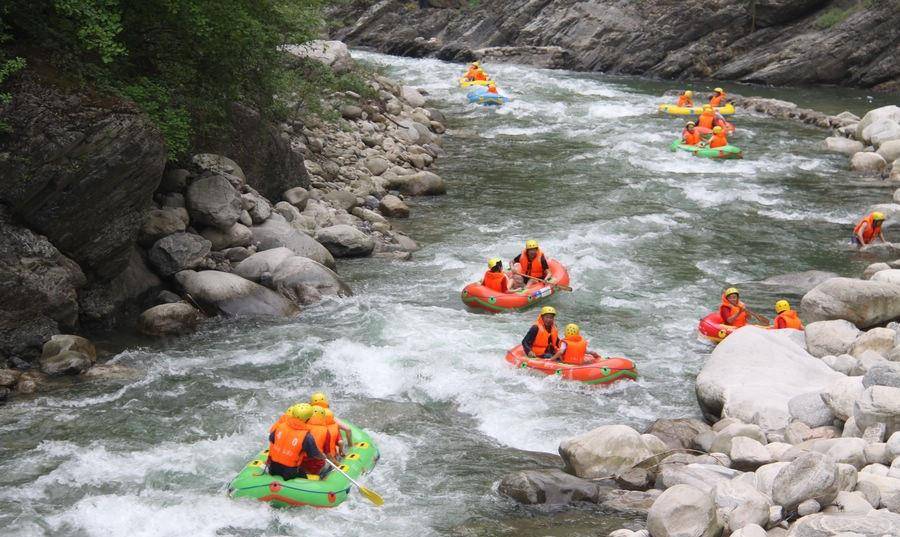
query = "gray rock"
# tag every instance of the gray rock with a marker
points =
(835, 337)
(867, 163)
(845, 146)
(888, 489)
(419, 184)
(351, 112)
(237, 254)
(841, 394)
(765, 476)
(393, 207)
(635, 479)
(257, 206)
(274, 233)
(750, 530)
(549, 487)
(368, 215)
(160, 223)
(890, 150)
(883, 374)
(893, 445)
(304, 281)
(217, 164)
(850, 503)
(605, 451)
(880, 340)
(723, 440)
(844, 363)
(865, 303)
(809, 476)
(65, 363)
(259, 263)
(874, 268)
(232, 295)
(297, 196)
(747, 454)
(683, 511)
(810, 409)
(808, 507)
(878, 404)
(874, 433)
(236, 235)
(873, 524)
(877, 453)
(60, 343)
(677, 433)
(177, 252)
(287, 211)
(701, 476)
(741, 504)
(169, 319)
(631, 502)
(334, 54)
(377, 165)
(213, 201)
(412, 96)
(345, 241)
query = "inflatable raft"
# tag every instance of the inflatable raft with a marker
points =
(478, 296)
(724, 152)
(729, 129)
(676, 110)
(714, 329)
(603, 371)
(463, 83)
(328, 491)
(481, 96)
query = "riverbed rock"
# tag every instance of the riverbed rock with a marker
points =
(236, 235)
(275, 233)
(334, 54)
(422, 183)
(66, 354)
(605, 451)
(160, 223)
(888, 489)
(412, 96)
(737, 379)
(260, 263)
(548, 487)
(377, 165)
(879, 340)
(867, 163)
(393, 207)
(844, 363)
(345, 241)
(722, 441)
(747, 454)
(701, 476)
(169, 319)
(751, 530)
(305, 281)
(890, 151)
(232, 295)
(810, 409)
(677, 433)
(878, 404)
(741, 504)
(177, 252)
(213, 201)
(851, 503)
(863, 303)
(256, 206)
(297, 196)
(630, 502)
(883, 374)
(811, 475)
(683, 511)
(841, 394)
(846, 146)
(834, 337)
(873, 524)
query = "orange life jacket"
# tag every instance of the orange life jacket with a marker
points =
(716, 100)
(470, 74)
(334, 436)
(544, 339)
(869, 232)
(287, 449)
(492, 89)
(690, 138)
(480, 75)
(706, 120)
(319, 431)
(576, 349)
(281, 419)
(496, 281)
(532, 269)
(718, 140)
(788, 319)
(684, 100)
(726, 310)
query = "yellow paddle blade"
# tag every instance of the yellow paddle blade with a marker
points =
(372, 496)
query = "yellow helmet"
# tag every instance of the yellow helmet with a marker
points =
(318, 399)
(318, 411)
(781, 306)
(302, 412)
(529, 244)
(492, 262)
(732, 291)
(877, 216)
(572, 330)
(688, 93)
(328, 413)
(548, 310)
(717, 129)
(476, 64)
(718, 90)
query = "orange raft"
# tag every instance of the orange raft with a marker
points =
(602, 371)
(478, 296)
(713, 328)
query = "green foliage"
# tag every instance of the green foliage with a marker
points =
(98, 25)
(831, 17)
(303, 88)
(173, 122)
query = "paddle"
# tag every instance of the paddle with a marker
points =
(370, 495)
(561, 286)
(759, 317)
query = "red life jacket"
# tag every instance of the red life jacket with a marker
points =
(716, 100)
(869, 232)
(532, 269)
(788, 319)
(544, 339)
(287, 449)
(576, 349)
(726, 310)
(480, 75)
(496, 281)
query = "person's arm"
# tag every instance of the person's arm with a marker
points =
(272, 437)
(732, 318)
(311, 449)
(881, 233)
(562, 350)
(528, 341)
(344, 427)
(546, 266)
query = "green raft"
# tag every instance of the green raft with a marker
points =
(330, 491)
(728, 151)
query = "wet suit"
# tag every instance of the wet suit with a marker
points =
(289, 472)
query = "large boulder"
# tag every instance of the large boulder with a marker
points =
(867, 162)
(700, 476)
(549, 487)
(344, 240)
(260, 263)
(334, 54)
(232, 295)
(684, 511)
(864, 303)
(890, 151)
(739, 379)
(177, 252)
(211, 163)
(810, 409)
(882, 374)
(879, 340)
(605, 451)
(221, 239)
(841, 394)
(276, 233)
(872, 524)
(160, 223)
(878, 404)
(67, 355)
(809, 476)
(677, 433)
(169, 319)
(889, 275)
(742, 504)
(846, 146)
(877, 124)
(419, 184)
(304, 281)
(830, 338)
(213, 201)
(412, 96)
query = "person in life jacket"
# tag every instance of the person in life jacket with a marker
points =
(786, 317)
(717, 98)
(542, 339)
(284, 417)
(319, 399)
(531, 263)
(573, 348)
(291, 445)
(334, 445)
(685, 98)
(495, 279)
(869, 229)
(732, 310)
(718, 138)
(707, 118)
(318, 429)
(492, 88)
(689, 135)
(472, 71)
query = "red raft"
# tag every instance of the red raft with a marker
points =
(478, 296)
(713, 328)
(603, 371)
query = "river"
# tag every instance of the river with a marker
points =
(577, 161)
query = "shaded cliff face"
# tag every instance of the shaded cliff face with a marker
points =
(777, 42)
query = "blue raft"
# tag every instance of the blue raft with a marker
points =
(481, 96)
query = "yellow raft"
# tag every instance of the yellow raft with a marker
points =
(463, 83)
(728, 109)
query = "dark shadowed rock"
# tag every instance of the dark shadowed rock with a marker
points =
(178, 252)
(550, 487)
(343, 240)
(169, 319)
(160, 223)
(213, 201)
(122, 296)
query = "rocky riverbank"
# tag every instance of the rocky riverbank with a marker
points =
(766, 41)
(98, 230)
